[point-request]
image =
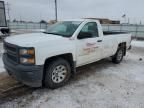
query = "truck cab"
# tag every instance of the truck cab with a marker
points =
(51, 58)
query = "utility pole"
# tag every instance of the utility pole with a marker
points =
(56, 10)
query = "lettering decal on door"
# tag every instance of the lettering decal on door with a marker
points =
(90, 48)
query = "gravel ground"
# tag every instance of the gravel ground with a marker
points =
(98, 85)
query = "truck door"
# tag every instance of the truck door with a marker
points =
(88, 44)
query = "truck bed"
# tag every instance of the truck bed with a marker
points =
(113, 33)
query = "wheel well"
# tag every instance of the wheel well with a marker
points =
(123, 45)
(67, 56)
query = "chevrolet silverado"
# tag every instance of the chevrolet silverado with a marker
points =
(50, 58)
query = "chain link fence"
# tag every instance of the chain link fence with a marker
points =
(136, 30)
(27, 25)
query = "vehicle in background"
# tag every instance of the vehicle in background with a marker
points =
(50, 58)
(4, 30)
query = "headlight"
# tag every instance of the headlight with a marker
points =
(27, 56)
(27, 51)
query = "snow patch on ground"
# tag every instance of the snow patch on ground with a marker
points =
(1, 65)
(137, 43)
(1, 62)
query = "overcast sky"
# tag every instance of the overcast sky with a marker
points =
(35, 10)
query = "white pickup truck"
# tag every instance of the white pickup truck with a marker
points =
(50, 58)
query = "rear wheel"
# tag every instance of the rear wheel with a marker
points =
(58, 72)
(118, 57)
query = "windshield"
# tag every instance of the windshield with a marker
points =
(64, 28)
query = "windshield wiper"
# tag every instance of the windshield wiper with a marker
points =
(51, 33)
(56, 34)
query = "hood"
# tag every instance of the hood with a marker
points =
(29, 39)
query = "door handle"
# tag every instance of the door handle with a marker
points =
(99, 41)
(90, 44)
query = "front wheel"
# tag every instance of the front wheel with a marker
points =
(118, 57)
(58, 72)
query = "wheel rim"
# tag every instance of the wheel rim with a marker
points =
(119, 55)
(59, 74)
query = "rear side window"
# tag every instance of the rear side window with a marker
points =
(91, 27)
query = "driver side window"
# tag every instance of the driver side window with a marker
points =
(89, 29)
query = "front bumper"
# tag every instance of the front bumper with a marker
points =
(28, 75)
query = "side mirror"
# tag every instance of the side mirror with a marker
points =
(84, 35)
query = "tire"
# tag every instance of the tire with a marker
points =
(58, 73)
(118, 57)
